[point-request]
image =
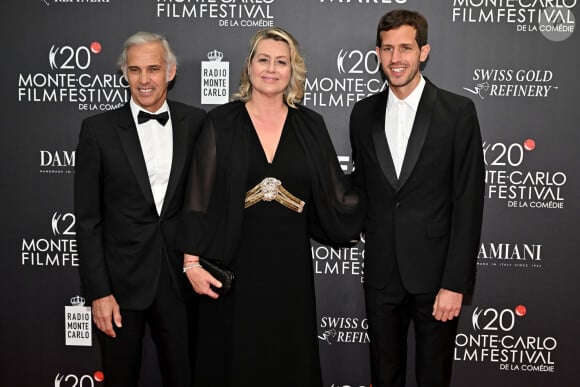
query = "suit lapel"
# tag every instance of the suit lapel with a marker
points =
(419, 132)
(180, 144)
(380, 141)
(127, 132)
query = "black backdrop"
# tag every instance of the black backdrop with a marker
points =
(517, 59)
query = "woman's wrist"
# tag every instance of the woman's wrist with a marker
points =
(190, 259)
(190, 265)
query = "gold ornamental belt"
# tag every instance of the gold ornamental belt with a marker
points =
(271, 189)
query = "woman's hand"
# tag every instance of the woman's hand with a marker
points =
(199, 278)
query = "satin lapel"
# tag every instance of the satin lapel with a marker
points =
(380, 141)
(419, 132)
(180, 143)
(127, 132)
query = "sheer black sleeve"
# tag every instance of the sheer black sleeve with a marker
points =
(196, 226)
(337, 213)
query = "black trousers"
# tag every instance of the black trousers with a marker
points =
(171, 325)
(390, 312)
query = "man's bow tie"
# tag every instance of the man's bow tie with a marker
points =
(162, 118)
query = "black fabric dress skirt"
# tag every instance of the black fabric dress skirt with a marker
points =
(264, 332)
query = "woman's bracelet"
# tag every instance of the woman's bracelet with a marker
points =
(191, 266)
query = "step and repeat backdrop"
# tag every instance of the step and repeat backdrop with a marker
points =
(517, 59)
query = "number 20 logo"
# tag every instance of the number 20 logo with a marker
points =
(359, 62)
(63, 224)
(70, 58)
(494, 319)
(74, 380)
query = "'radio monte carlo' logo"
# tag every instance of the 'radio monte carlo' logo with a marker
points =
(215, 79)
(78, 323)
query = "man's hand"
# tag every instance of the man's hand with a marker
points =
(447, 305)
(105, 312)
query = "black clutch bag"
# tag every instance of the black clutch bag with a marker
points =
(220, 272)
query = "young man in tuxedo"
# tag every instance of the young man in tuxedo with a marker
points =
(131, 169)
(417, 153)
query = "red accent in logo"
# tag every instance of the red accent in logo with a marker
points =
(521, 310)
(529, 144)
(96, 47)
(99, 376)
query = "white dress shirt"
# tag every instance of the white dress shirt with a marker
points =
(399, 118)
(157, 146)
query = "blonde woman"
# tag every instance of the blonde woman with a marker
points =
(265, 179)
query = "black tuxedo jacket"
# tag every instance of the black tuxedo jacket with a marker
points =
(428, 221)
(121, 237)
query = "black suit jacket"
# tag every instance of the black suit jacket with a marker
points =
(428, 221)
(121, 237)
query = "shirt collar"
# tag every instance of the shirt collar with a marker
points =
(412, 99)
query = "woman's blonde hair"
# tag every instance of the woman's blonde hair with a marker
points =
(295, 89)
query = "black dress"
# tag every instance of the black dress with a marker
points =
(264, 332)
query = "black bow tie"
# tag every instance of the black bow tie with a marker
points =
(162, 118)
